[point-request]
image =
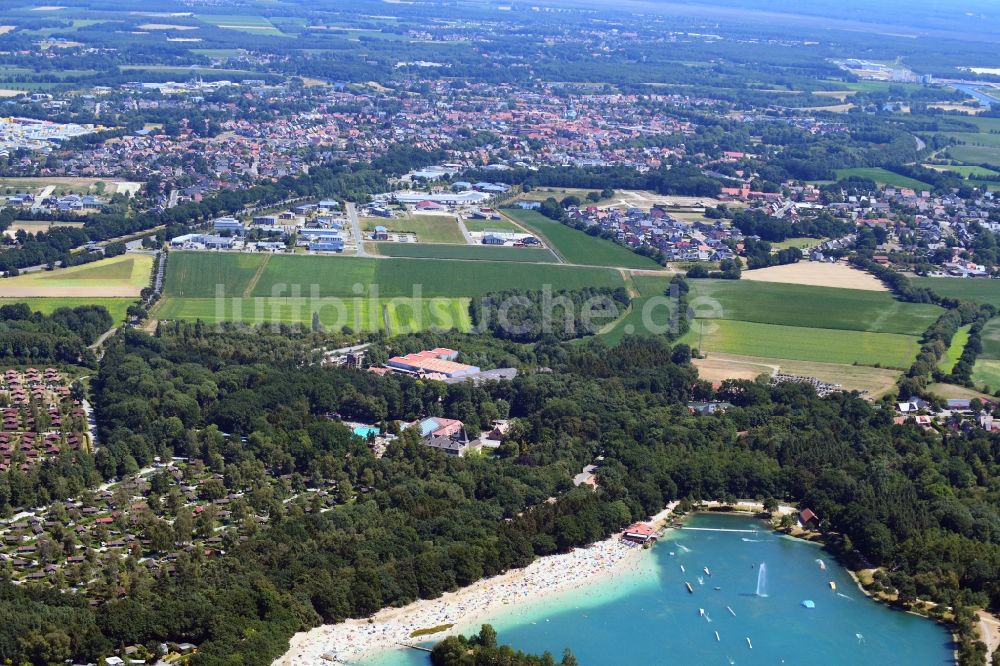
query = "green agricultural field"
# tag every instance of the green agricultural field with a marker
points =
(491, 225)
(337, 276)
(439, 313)
(279, 288)
(115, 306)
(974, 154)
(122, 276)
(964, 171)
(192, 274)
(802, 343)
(990, 337)
(475, 252)
(808, 306)
(955, 349)
(428, 228)
(576, 247)
(360, 314)
(986, 374)
(254, 25)
(196, 274)
(982, 291)
(882, 177)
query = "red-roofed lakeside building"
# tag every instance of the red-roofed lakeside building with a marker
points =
(639, 533)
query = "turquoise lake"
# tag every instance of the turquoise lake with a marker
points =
(648, 617)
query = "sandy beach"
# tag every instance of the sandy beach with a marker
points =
(354, 640)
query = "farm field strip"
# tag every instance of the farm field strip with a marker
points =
(575, 246)
(986, 374)
(360, 314)
(809, 306)
(468, 252)
(882, 176)
(980, 290)
(122, 276)
(196, 274)
(802, 343)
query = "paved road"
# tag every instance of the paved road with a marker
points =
(465, 232)
(352, 215)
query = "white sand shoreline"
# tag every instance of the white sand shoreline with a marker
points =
(354, 640)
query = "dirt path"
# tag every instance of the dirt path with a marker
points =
(633, 291)
(248, 292)
(989, 631)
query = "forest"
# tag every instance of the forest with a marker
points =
(528, 315)
(414, 523)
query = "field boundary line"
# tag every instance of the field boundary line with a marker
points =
(256, 276)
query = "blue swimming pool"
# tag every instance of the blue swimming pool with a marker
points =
(364, 431)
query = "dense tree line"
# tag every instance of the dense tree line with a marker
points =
(962, 372)
(482, 650)
(522, 315)
(900, 285)
(758, 254)
(28, 337)
(768, 228)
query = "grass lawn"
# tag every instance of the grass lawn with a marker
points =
(116, 306)
(803, 343)
(360, 314)
(122, 276)
(808, 306)
(882, 177)
(802, 243)
(428, 228)
(958, 342)
(491, 225)
(477, 252)
(982, 291)
(956, 392)
(576, 247)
